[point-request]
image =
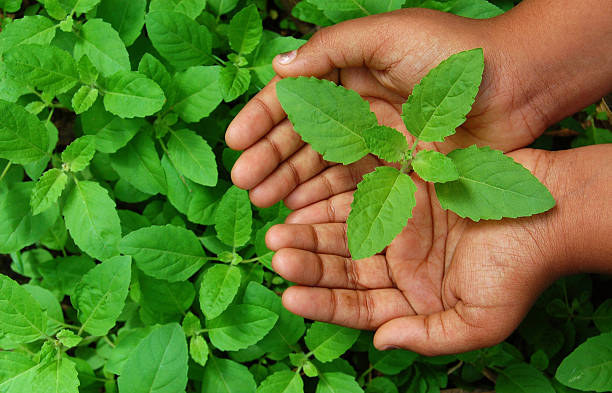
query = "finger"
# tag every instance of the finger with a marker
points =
(356, 309)
(298, 168)
(334, 180)
(261, 159)
(319, 238)
(334, 209)
(256, 119)
(452, 331)
(345, 45)
(331, 271)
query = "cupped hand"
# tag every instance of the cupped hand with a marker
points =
(444, 285)
(381, 57)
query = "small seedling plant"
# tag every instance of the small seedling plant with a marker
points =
(475, 182)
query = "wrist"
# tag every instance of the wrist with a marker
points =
(557, 57)
(576, 233)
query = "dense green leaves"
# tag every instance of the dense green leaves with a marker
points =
(233, 218)
(56, 376)
(84, 98)
(103, 46)
(233, 82)
(522, 378)
(589, 367)
(196, 92)
(21, 318)
(158, 364)
(328, 342)
(245, 30)
(126, 17)
(100, 295)
(166, 252)
(92, 220)
(336, 382)
(227, 376)
(440, 102)
(79, 153)
(282, 382)
(381, 208)
(219, 286)
(342, 10)
(23, 138)
(191, 8)
(131, 94)
(329, 117)
(491, 186)
(434, 167)
(240, 326)
(178, 38)
(193, 157)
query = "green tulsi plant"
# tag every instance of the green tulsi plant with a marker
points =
(476, 182)
(129, 264)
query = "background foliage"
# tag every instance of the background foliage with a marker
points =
(129, 263)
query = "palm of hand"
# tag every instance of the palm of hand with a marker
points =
(444, 285)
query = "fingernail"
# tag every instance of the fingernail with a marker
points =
(287, 57)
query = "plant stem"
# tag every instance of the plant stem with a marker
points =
(366, 372)
(455, 367)
(5, 171)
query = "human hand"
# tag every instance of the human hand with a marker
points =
(447, 284)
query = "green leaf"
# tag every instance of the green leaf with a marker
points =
(288, 329)
(21, 317)
(44, 67)
(111, 132)
(68, 338)
(100, 295)
(79, 153)
(130, 94)
(18, 227)
(240, 326)
(245, 30)
(193, 157)
(191, 8)
(602, 317)
(329, 117)
(233, 218)
(589, 367)
(161, 296)
(310, 13)
(158, 364)
(218, 289)
(381, 208)
(47, 190)
(386, 142)
(522, 378)
(155, 70)
(79, 6)
(84, 98)
(196, 93)
(381, 385)
(16, 370)
(203, 204)
(92, 220)
(491, 186)
(221, 7)
(125, 344)
(102, 44)
(341, 10)
(167, 252)
(198, 349)
(391, 362)
(57, 376)
(179, 39)
(443, 98)
(23, 138)
(227, 376)
(282, 382)
(10, 5)
(28, 30)
(272, 44)
(50, 306)
(180, 190)
(337, 383)
(126, 17)
(328, 342)
(434, 167)
(62, 275)
(87, 71)
(139, 164)
(234, 82)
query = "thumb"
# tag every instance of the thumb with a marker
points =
(442, 333)
(347, 44)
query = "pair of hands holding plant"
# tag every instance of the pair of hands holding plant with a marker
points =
(445, 284)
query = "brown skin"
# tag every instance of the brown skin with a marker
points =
(445, 284)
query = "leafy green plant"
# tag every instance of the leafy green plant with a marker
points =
(129, 264)
(477, 183)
